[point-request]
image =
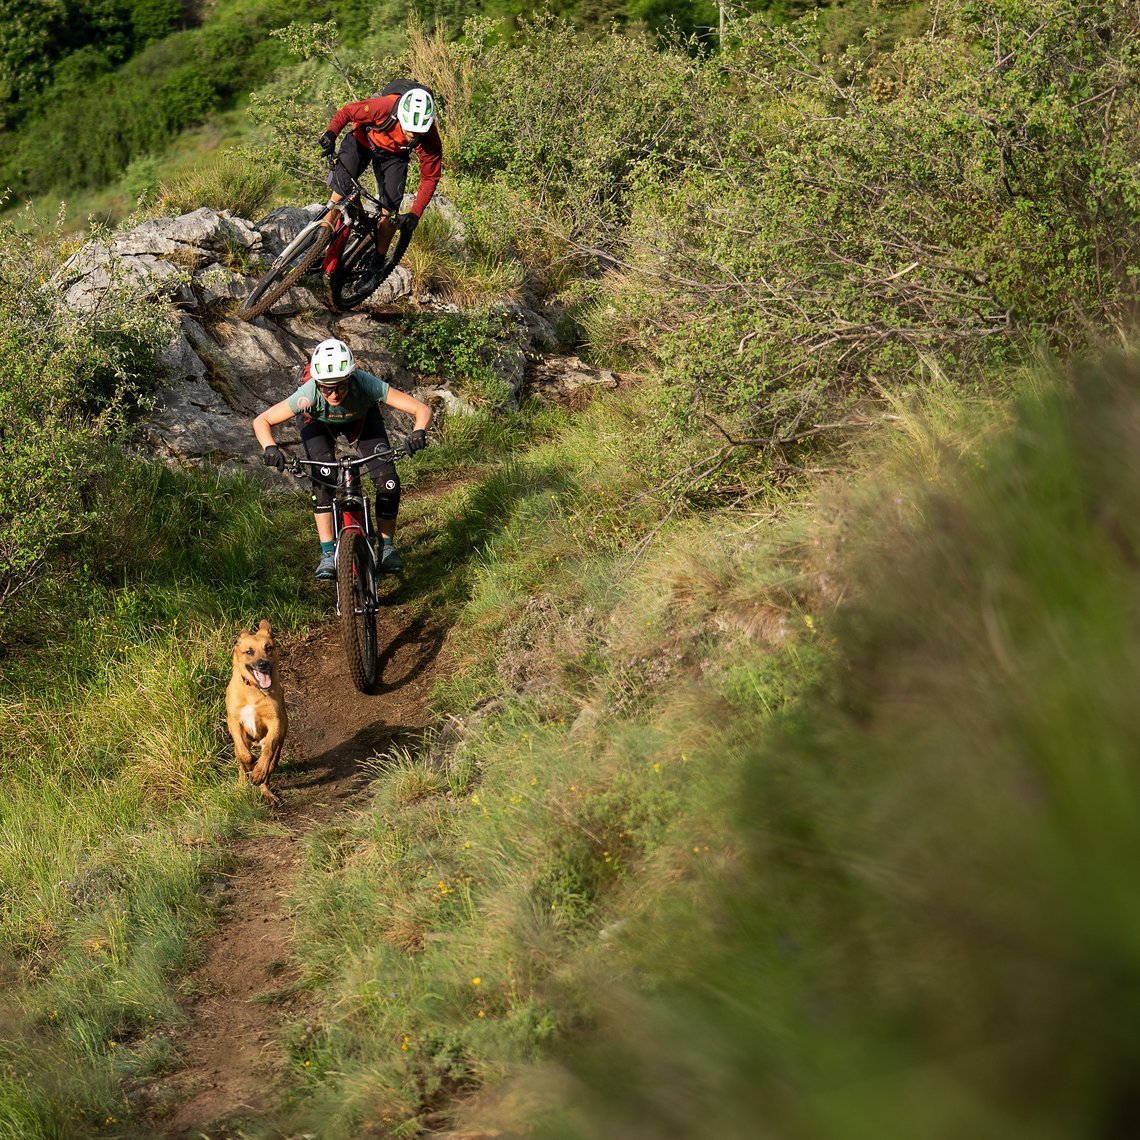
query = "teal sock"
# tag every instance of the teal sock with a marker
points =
(388, 541)
(328, 547)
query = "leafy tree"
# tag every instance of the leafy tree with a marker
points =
(153, 19)
(30, 34)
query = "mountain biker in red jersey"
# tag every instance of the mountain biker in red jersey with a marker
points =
(385, 130)
(339, 399)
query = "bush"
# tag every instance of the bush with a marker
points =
(865, 236)
(584, 112)
(174, 83)
(243, 180)
(66, 379)
(153, 19)
(469, 349)
(804, 230)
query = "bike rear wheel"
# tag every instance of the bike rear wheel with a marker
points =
(360, 272)
(356, 587)
(297, 259)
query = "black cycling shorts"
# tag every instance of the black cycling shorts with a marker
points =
(368, 436)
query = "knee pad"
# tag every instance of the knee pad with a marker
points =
(387, 491)
(321, 498)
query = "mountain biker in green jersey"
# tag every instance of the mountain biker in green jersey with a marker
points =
(337, 399)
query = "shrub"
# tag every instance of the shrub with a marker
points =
(153, 19)
(66, 378)
(471, 349)
(243, 180)
(174, 83)
(865, 236)
(584, 112)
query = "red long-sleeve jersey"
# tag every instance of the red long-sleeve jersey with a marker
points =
(365, 116)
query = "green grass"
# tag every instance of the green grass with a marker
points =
(195, 151)
(930, 899)
(118, 793)
(819, 820)
(450, 932)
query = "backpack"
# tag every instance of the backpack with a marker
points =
(397, 87)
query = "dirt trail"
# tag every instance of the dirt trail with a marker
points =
(239, 1001)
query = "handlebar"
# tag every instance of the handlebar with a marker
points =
(296, 464)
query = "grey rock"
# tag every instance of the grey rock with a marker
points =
(216, 284)
(556, 379)
(92, 270)
(541, 333)
(457, 240)
(190, 239)
(279, 227)
(179, 360)
(439, 396)
(398, 284)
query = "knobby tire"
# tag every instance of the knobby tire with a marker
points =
(356, 585)
(283, 277)
(359, 274)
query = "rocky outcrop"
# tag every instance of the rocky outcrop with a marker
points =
(218, 371)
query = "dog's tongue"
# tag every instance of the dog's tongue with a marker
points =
(264, 680)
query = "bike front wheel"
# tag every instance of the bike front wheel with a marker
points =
(356, 587)
(297, 259)
(361, 272)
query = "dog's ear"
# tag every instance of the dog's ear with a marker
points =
(264, 627)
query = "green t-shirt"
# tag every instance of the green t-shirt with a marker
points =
(364, 390)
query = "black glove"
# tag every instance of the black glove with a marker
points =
(409, 222)
(272, 457)
(327, 143)
(416, 441)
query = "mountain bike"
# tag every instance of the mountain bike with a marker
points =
(357, 563)
(357, 244)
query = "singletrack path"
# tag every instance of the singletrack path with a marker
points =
(240, 996)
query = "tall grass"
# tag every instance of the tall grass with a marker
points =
(440, 265)
(243, 180)
(933, 900)
(117, 788)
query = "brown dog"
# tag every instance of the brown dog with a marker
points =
(255, 707)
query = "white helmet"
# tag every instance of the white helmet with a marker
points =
(332, 359)
(416, 110)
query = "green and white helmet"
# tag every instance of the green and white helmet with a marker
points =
(332, 359)
(416, 110)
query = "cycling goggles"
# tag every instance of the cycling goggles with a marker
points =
(337, 386)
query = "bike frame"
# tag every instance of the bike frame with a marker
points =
(357, 565)
(359, 214)
(352, 511)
